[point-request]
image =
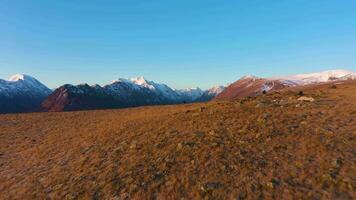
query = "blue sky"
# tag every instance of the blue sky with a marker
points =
(182, 43)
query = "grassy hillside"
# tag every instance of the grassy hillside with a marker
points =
(271, 146)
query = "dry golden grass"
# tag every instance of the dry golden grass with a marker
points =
(266, 147)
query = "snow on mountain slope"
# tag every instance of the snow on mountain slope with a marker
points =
(122, 87)
(164, 92)
(215, 90)
(318, 77)
(211, 93)
(21, 93)
(351, 76)
(252, 85)
(190, 94)
(158, 88)
(125, 86)
(249, 86)
(21, 84)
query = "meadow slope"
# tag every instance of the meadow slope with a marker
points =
(271, 146)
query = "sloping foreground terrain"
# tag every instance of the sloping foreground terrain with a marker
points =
(270, 146)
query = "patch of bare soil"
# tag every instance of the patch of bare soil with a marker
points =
(268, 147)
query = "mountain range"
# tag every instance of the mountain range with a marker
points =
(23, 93)
(121, 93)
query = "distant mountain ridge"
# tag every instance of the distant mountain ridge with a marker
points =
(121, 93)
(252, 85)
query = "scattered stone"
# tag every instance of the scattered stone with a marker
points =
(275, 182)
(212, 185)
(265, 115)
(179, 146)
(133, 145)
(308, 99)
(199, 134)
(202, 188)
(270, 185)
(326, 180)
(201, 109)
(333, 87)
(214, 144)
(212, 133)
(195, 114)
(70, 196)
(260, 105)
(190, 144)
(336, 162)
(301, 93)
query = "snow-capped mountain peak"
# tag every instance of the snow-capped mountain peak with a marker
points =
(216, 90)
(196, 89)
(27, 91)
(139, 80)
(18, 77)
(249, 77)
(26, 81)
(161, 91)
(20, 83)
(23, 77)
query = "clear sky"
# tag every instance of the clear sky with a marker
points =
(183, 43)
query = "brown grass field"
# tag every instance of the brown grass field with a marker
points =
(267, 147)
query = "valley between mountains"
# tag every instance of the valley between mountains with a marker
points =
(291, 143)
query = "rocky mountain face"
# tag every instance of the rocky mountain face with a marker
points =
(121, 93)
(21, 93)
(80, 97)
(249, 86)
(253, 86)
